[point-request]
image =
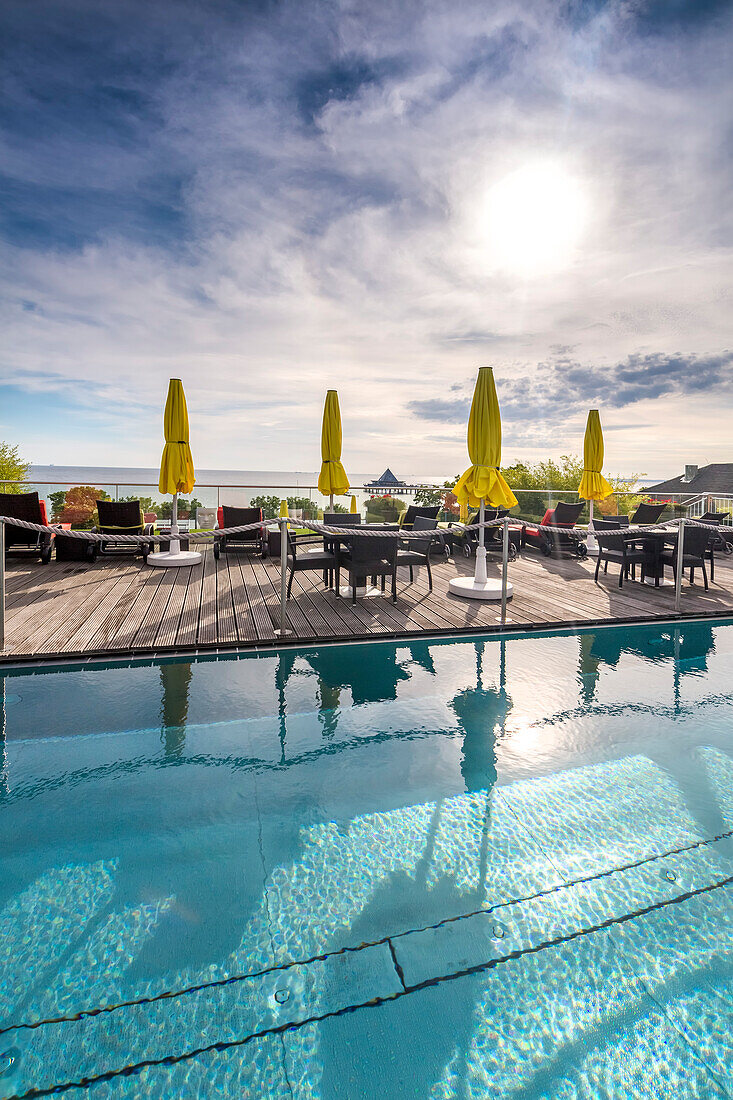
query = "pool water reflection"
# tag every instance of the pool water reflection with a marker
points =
(281, 839)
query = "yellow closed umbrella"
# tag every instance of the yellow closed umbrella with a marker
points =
(176, 471)
(283, 509)
(483, 482)
(593, 485)
(332, 478)
(354, 509)
(176, 465)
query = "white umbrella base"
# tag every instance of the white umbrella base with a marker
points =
(347, 592)
(184, 557)
(664, 582)
(471, 589)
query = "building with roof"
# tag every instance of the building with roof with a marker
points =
(713, 480)
(700, 490)
(386, 484)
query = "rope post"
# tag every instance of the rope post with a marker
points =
(678, 570)
(504, 566)
(283, 631)
(2, 584)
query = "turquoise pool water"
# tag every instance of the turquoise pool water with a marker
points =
(437, 870)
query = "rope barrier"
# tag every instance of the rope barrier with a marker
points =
(317, 527)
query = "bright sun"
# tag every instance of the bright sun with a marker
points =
(534, 219)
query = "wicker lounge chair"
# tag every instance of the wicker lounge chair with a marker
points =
(468, 540)
(695, 546)
(370, 557)
(415, 552)
(325, 561)
(18, 540)
(648, 514)
(246, 540)
(122, 517)
(614, 547)
(558, 542)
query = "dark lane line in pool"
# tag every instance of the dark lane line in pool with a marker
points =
(171, 1060)
(88, 1013)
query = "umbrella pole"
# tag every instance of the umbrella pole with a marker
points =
(480, 575)
(591, 542)
(330, 502)
(175, 546)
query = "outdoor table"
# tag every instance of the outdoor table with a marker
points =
(654, 542)
(336, 541)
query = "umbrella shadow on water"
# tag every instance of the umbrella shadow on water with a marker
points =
(396, 1046)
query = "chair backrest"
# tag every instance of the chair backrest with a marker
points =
(341, 519)
(610, 540)
(21, 506)
(373, 549)
(713, 517)
(565, 515)
(618, 521)
(422, 546)
(238, 517)
(696, 541)
(610, 523)
(415, 510)
(125, 516)
(648, 513)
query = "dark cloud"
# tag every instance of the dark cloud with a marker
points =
(441, 409)
(562, 386)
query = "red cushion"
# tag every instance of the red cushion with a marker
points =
(220, 516)
(546, 520)
(44, 514)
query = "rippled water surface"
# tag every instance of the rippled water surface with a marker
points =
(436, 870)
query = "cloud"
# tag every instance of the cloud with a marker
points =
(271, 199)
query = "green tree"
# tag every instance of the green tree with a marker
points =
(146, 503)
(186, 508)
(80, 506)
(58, 503)
(385, 509)
(13, 469)
(270, 506)
(340, 508)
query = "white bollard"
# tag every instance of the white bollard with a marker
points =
(504, 567)
(2, 584)
(678, 570)
(283, 631)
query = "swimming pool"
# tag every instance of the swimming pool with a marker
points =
(439, 870)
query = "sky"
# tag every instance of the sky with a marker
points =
(269, 199)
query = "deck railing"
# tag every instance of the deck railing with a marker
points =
(308, 501)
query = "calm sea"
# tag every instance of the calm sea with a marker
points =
(212, 486)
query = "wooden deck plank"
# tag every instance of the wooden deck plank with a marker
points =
(208, 625)
(156, 612)
(167, 634)
(189, 621)
(146, 582)
(78, 641)
(120, 605)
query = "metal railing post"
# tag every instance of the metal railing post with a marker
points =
(283, 631)
(504, 567)
(2, 584)
(678, 570)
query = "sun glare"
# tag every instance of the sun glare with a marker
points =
(534, 218)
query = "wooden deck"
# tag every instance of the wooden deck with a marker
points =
(118, 606)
